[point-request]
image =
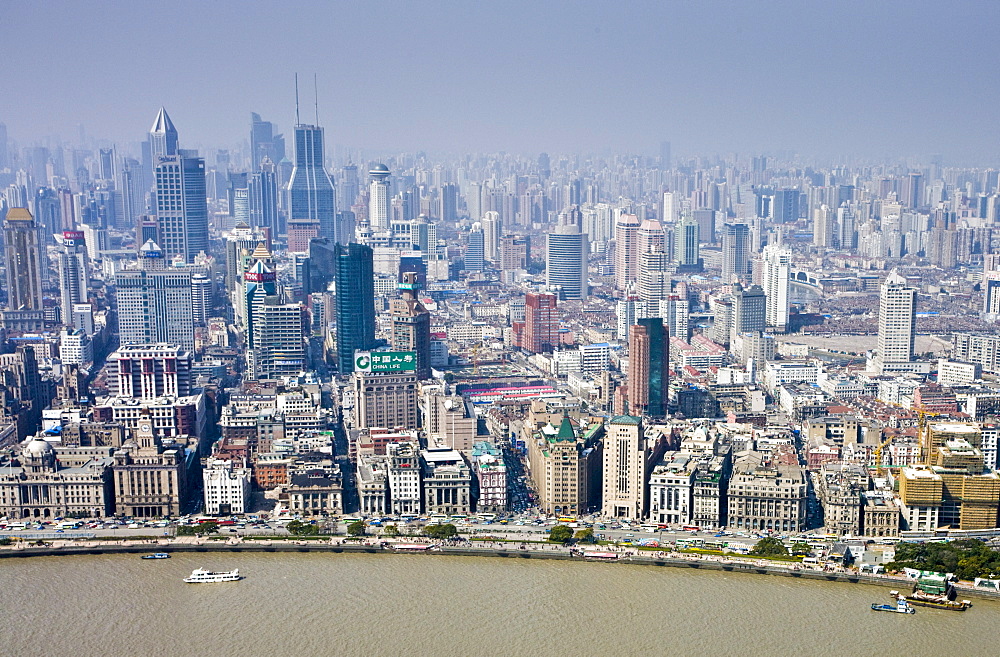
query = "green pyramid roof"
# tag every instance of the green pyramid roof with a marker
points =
(566, 431)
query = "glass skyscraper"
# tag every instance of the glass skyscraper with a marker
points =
(354, 281)
(311, 194)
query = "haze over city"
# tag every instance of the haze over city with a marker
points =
(834, 80)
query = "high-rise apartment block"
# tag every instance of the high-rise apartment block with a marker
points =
(775, 279)
(897, 319)
(541, 322)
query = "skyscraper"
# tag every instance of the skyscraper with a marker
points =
(749, 310)
(566, 262)
(311, 195)
(154, 302)
(785, 208)
(735, 251)
(264, 142)
(626, 250)
(181, 206)
(897, 319)
(23, 251)
(162, 137)
(475, 252)
(648, 367)
(654, 280)
(262, 193)
(274, 333)
(379, 212)
(625, 469)
(541, 322)
(73, 274)
(650, 237)
(354, 285)
(492, 231)
(687, 244)
(777, 268)
(349, 188)
(411, 325)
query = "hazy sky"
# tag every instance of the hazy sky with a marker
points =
(872, 78)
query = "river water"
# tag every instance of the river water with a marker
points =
(327, 604)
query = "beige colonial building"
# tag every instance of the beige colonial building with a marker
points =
(41, 487)
(150, 476)
(766, 495)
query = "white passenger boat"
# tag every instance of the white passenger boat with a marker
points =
(200, 576)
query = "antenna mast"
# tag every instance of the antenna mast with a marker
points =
(297, 122)
(316, 92)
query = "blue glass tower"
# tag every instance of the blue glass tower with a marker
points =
(354, 279)
(311, 194)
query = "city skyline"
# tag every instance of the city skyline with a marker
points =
(710, 79)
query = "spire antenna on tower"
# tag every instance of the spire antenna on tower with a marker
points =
(297, 122)
(316, 92)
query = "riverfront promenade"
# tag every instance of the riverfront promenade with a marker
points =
(515, 550)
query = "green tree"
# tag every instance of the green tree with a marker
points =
(560, 534)
(299, 528)
(390, 530)
(441, 532)
(769, 547)
(801, 548)
(585, 535)
(199, 529)
(356, 528)
(6, 540)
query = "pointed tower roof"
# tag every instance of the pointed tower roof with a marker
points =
(150, 250)
(163, 123)
(566, 431)
(261, 253)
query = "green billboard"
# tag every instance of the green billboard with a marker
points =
(385, 361)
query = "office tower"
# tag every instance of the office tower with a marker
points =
(912, 192)
(379, 212)
(687, 244)
(449, 203)
(23, 253)
(181, 206)
(492, 231)
(349, 187)
(4, 152)
(775, 279)
(474, 252)
(154, 302)
(654, 280)
(825, 227)
(679, 314)
(423, 235)
(354, 284)
(847, 235)
(73, 273)
(896, 322)
(705, 218)
(46, 212)
(162, 138)
(626, 250)
(650, 237)
(785, 208)
(665, 161)
(515, 252)
(262, 193)
(411, 325)
(385, 399)
(670, 208)
(264, 142)
(274, 329)
(150, 371)
(541, 322)
(624, 469)
(648, 367)
(132, 183)
(566, 262)
(749, 310)
(311, 194)
(991, 287)
(201, 299)
(735, 252)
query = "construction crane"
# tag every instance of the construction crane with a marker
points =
(922, 416)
